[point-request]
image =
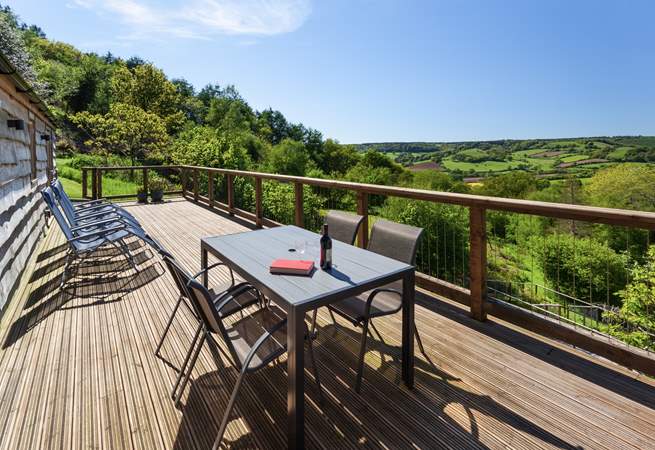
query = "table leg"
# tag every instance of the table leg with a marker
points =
(203, 265)
(295, 369)
(408, 329)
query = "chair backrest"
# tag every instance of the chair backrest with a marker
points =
(198, 295)
(65, 202)
(168, 260)
(343, 226)
(51, 203)
(395, 240)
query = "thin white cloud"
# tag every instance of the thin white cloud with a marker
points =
(204, 18)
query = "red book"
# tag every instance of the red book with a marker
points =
(292, 267)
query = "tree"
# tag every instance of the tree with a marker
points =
(288, 157)
(148, 88)
(126, 130)
(625, 186)
(13, 47)
(511, 185)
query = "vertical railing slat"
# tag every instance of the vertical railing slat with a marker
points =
(362, 210)
(259, 207)
(230, 194)
(84, 183)
(478, 261)
(299, 215)
(210, 188)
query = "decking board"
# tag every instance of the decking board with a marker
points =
(78, 371)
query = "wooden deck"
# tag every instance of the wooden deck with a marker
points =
(77, 370)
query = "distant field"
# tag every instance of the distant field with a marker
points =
(485, 166)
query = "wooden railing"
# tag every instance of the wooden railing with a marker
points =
(474, 298)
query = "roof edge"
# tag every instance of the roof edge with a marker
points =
(22, 86)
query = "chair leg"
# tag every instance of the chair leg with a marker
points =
(186, 362)
(312, 331)
(418, 340)
(168, 325)
(192, 363)
(312, 361)
(362, 352)
(228, 410)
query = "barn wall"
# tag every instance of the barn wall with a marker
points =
(22, 217)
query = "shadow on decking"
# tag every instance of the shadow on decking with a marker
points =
(100, 279)
(401, 418)
(598, 374)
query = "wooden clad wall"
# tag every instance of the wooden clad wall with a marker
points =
(21, 208)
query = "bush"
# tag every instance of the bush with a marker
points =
(581, 267)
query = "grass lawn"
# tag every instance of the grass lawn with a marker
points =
(71, 178)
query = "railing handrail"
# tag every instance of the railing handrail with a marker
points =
(594, 214)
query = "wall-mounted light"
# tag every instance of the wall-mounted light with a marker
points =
(16, 123)
(45, 137)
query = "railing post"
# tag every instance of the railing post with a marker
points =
(94, 184)
(195, 185)
(300, 216)
(362, 210)
(99, 183)
(185, 180)
(259, 210)
(478, 261)
(84, 181)
(230, 194)
(145, 183)
(210, 188)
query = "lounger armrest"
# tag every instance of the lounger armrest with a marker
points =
(97, 224)
(208, 268)
(108, 207)
(87, 203)
(103, 231)
(98, 214)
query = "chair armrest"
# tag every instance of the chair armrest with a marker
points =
(261, 340)
(103, 231)
(371, 297)
(208, 268)
(231, 297)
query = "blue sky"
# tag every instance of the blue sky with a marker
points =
(393, 70)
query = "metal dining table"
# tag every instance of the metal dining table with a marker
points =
(354, 271)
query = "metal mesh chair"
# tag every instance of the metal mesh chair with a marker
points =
(253, 341)
(343, 226)
(244, 295)
(394, 240)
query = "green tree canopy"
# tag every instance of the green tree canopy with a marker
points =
(126, 130)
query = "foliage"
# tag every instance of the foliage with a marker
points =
(147, 88)
(581, 267)
(447, 257)
(126, 130)
(288, 157)
(157, 183)
(279, 202)
(206, 146)
(12, 45)
(638, 304)
(623, 186)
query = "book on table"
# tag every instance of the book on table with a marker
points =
(291, 267)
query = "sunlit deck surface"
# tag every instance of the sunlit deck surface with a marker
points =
(77, 370)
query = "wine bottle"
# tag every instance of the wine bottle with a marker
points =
(326, 249)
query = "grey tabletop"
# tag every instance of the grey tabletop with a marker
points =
(252, 253)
